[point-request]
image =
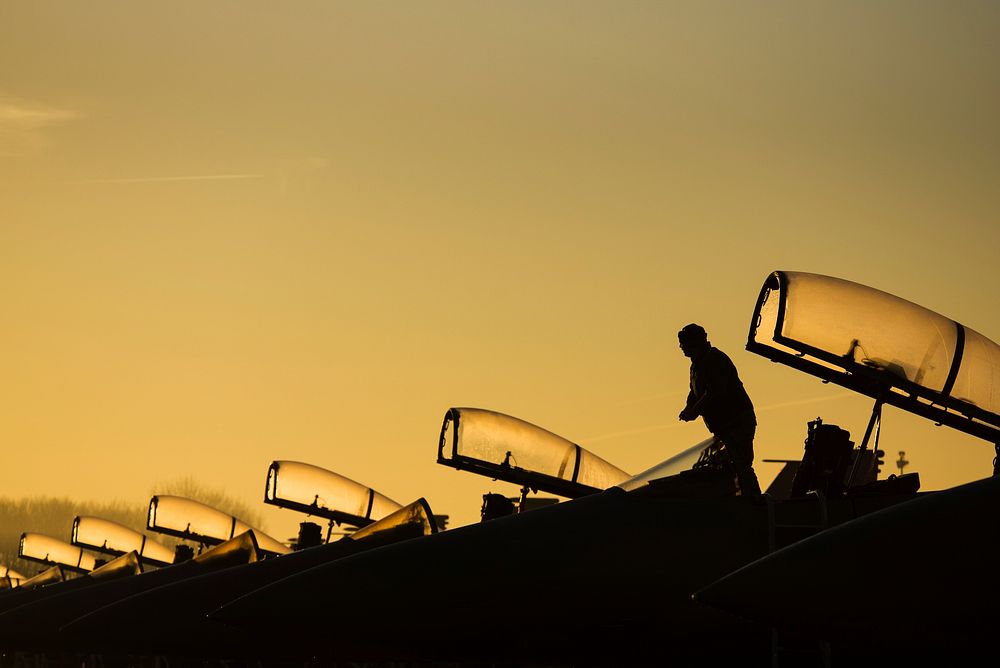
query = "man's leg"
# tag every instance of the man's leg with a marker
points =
(739, 445)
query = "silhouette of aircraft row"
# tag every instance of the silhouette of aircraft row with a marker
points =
(669, 564)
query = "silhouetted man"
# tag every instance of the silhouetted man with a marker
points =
(718, 396)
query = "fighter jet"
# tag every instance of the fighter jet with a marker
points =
(53, 581)
(165, 614)
(610, 576)
(34, 624)
(170, 619)
(35, 618)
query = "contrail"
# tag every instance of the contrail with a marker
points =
(671, 425)
(162, 179)
(786, 404)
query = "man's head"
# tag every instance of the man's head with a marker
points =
(693, 340)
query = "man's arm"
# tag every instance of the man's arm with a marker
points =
(715, 377)
(690, 411)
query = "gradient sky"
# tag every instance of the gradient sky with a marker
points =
(233, 232)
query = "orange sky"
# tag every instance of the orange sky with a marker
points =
(238, 232)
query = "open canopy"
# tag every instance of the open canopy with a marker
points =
(415, 519)
(10, 578)
(48, 576)
(880, 345)
(240, 549)
(96, 533)
(682, 461)
(315, 491)
(126, 564)
(187, 518)
(507, 448)
(48, 550)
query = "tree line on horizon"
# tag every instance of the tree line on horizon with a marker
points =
(53, 516)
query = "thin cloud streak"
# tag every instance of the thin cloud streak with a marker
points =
(672, 425)
(167, 179)
(28, 117)
(24, 126)
(799, 402)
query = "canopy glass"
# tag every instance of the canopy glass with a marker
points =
(126, 564)
(415, 520)
(96, 533)
(48, 550)
(682, 461)
(316, 491)
(48, 576)
(240, 549)
(507, 448)
(10, 578)
(187, 518)
(878, 344)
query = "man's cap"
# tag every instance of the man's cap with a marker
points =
(692, 334)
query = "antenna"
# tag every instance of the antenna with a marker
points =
(902, 462)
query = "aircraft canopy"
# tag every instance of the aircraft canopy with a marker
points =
(10, 578)
(238, 550)
(682, 461)
(187, 518)
(414, 520)
(316, 491)
(48, 576)
(97, 533)
(48, 550)
(126, 564)
(880, 345)
(507, 448)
